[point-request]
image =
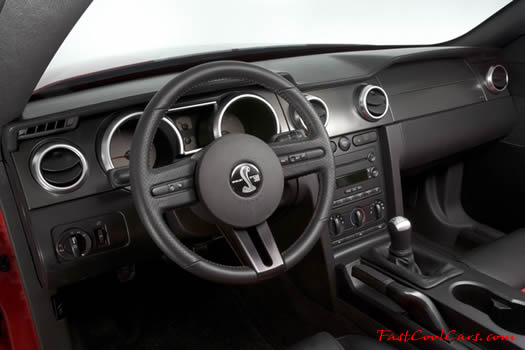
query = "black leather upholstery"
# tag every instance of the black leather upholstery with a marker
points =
(502, 259)
(324, 341)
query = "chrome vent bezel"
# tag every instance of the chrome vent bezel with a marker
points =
(489, 80)
(36, 162)
(362, 104)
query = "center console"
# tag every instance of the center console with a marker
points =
(406, 284)
(359, 207)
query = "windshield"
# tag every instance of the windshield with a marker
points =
(116, 33)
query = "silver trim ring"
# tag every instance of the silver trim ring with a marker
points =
(311, 98)
(105, 152)
(36, 162)
(362, 107)
(217, 122)
(489, 80)
(184, 152)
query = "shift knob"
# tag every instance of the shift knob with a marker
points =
(400, 231)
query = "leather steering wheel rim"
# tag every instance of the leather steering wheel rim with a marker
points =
(144, 179)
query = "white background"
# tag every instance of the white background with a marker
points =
(119, 32)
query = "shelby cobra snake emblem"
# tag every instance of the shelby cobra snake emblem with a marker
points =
(245, 179)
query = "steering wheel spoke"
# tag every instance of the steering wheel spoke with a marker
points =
(172, 186)
(300, 157)
(256, 248)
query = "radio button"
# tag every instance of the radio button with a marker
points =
(334, 146)
(344, 143)
(358, 140)
(338, 202)
(373, 172)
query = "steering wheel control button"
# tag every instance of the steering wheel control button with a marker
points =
(173, 187)
(299, 157)
(344, 143)
(246, 179)
(294, 158)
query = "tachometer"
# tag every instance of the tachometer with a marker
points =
(246, 113)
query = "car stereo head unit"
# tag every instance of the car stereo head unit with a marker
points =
(356, 177)
(359, 199)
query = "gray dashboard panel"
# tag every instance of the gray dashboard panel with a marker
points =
(407, 77)
(442, 134)
(436, 99)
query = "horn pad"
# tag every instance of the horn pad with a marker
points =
(240, 180)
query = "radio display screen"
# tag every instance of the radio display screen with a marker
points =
(352, 178)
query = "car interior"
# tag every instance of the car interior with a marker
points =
(302, 198)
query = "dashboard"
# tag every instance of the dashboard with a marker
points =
(385, 111)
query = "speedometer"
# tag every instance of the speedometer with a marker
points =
(115, 148)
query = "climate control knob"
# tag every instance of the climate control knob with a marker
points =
(74, 243)
(357, 217)
(378, 209)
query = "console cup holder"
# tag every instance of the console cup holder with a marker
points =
(507, 314)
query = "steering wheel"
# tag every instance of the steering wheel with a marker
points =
(238, 178)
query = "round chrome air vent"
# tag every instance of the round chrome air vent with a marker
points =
(497, 78)
(59, 167)
(372, 103)
(320, 108)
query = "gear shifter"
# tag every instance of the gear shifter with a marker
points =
(400, 251)
(424, 268)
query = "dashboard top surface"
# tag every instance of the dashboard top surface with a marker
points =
(309, 72)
